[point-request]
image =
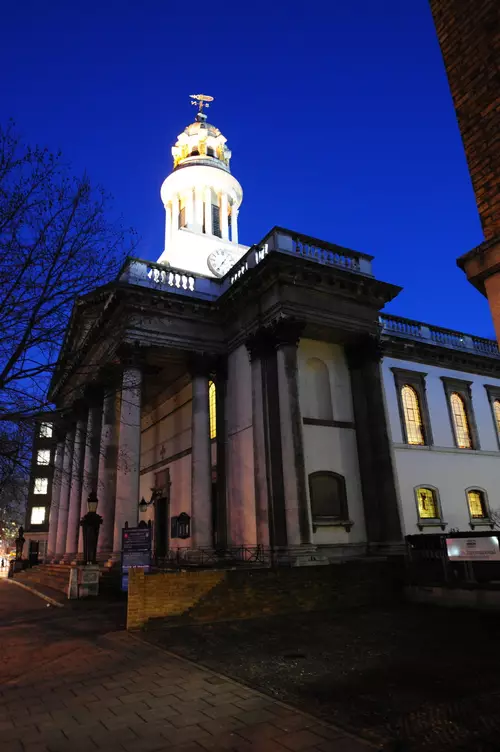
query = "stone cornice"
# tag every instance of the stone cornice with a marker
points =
(443, 357)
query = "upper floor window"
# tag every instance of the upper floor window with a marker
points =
(318, 391)
(328, 496)
(182, 217)
(41, 486)
(478, 508)
(212, 409)
(43, 457)
(216, 230)
(46, 430)
(459, 399)
(413, 416)
(496, 414)
(460, 422)
(413, 409)
(37, 516)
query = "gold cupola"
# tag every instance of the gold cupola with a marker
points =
(201, 143)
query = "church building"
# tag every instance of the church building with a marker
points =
(256, 401)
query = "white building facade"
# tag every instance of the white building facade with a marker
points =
(257, 399)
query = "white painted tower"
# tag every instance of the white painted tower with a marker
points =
(202, 201)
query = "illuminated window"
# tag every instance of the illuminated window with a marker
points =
(37, 516)
(43, 457)
(477, 504)
(212, 409)
(460, 422)
(496, 413)
(46, 430)
(428, 507)
(182, 216)
(412, 415)
(41, 486)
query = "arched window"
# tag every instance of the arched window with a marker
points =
(328, 496)
(212, 409)
(318, 390)
(460, 422)
(427, 503)
(496, 413)
(413, 416)
(476, 499)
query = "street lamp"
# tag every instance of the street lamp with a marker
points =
(90, 525)
(156, 493)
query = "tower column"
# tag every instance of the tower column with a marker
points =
(201, 465)
(234, 224)
(129, 456)
(168, 225)
(175, 214)
(224, 224)
(198, 209)
(56, 494)
(190, 209)
(208, 211)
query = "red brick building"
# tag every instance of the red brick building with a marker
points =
(469, 36)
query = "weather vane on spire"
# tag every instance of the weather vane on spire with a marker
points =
(201, 101)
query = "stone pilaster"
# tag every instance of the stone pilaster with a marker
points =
(380, 499)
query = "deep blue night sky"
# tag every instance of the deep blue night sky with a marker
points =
(338, 115)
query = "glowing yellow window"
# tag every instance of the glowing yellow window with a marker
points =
(477, 504)
(427, 504)
(413, 415)
(212, 409)
(496, 413)
(460, 422)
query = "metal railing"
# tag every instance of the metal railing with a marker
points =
(397, 326)
(231, 556)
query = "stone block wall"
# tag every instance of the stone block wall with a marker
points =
(205, 596)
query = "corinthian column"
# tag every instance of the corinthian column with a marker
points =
(234, 224)
(129, 456)
(208, 211)
(56, 495)
(62, 520)
(75, 491)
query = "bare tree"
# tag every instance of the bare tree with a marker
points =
(57, 244)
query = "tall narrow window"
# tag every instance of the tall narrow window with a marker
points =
(476, 500)
(212, 408)
(216, 221)
(428, 507)
(412, 415)
(43, 457)
(37, 515)
(496, 414)
(460, 422)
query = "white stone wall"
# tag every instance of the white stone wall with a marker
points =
(329, 447)
(442, 465)
(240, 465)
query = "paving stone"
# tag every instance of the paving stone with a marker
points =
(345, 744)
(260, 715)
(300, 740)
(222, 711)
(259, 731)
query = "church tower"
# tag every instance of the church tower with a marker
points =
(201, 200)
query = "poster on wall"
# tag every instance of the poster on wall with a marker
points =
(473, 549)
(136, 551)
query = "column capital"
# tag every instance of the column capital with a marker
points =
(131, 355)
(283, 332)
(202, 364)
(367, 348)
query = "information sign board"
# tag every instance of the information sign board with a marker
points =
(136, 551)
(473, 549)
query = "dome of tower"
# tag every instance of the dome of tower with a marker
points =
(201, 143)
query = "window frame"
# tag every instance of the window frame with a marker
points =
(44, 515)
(330, 520)
(479, 521)
(212, 413)
(463, 389)
(45, 424)
(427, 521)
(493, 393)
(38, 453)
(416, 380)
(40, 493)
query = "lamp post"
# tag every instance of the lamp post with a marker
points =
(19, 543)
(90, 525)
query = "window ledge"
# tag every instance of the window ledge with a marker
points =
(332, 522)
(481, 523)
(431, 523)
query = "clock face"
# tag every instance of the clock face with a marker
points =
(220, 261)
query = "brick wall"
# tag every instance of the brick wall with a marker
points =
(469, 36)
(187, 597)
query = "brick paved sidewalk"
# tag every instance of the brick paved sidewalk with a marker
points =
(119, 693)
